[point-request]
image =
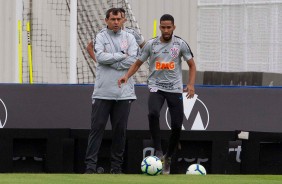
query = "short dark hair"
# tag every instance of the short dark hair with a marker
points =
(122, 10)
(167, 17)
(114, 11)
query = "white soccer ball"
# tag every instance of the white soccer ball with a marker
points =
(151, 165)
(196, 169)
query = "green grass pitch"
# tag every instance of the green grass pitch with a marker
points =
(137, 178)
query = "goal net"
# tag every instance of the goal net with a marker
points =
(240, 35)
(50, 38)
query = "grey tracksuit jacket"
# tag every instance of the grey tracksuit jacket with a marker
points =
(115, 53)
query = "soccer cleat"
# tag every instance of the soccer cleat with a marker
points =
(116, 171)
(159, 154)
(166, 164)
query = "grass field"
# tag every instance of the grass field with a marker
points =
(131, 178)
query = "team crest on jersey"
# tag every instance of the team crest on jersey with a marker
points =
(123, 45)
(174, 52)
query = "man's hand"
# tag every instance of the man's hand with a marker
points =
(90, 51)
(190, 89)
(132, 70)
(122, 80)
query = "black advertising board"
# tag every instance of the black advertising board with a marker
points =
(214, 108)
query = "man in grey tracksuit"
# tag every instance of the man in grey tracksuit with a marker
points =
(115, 50)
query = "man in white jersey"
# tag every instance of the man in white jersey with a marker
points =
(138, 37)
(165, 83)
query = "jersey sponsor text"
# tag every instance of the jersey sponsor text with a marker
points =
(165, 65)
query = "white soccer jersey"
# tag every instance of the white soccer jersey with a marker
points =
(165, 63)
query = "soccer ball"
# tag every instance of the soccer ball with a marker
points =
(196, 169)
(151, 165)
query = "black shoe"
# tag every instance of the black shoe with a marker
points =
(116, 171)
(90, 171)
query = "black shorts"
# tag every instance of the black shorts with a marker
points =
(175, 105)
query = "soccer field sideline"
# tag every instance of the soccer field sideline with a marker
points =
(137, 178)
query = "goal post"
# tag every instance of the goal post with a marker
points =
(73, 41)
